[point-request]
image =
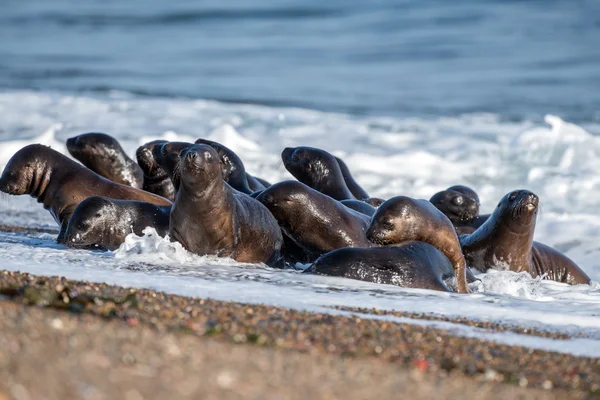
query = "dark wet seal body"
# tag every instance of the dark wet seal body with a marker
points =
(234, 172)
(357, 191)
(156, 179)
(412, 265)
(60, 183)
(360, 206)
(317, 169)
(104, 155)
(167, 155)
(100, 223)
(211, 218)
(505, 242)
(402, 219)
(315, 222)
(461, 205)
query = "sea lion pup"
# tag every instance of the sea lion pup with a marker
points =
(100, 223)
(60, 183)
(402, 219)
(505, 242)
(461, 205)
(156, 179)
(357, 191)
(234, 172)
(317, 169)
(314, 221)
(104, 155)
(167, 155)
(360, 206)
(412, 265)
(209, 217)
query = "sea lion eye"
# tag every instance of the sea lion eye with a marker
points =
(389, 225)
(513, 195)
(458, 200)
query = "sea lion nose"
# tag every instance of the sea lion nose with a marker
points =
(191, 156)
(533, 199)
(287, 152)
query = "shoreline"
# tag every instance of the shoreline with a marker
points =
(431, 351)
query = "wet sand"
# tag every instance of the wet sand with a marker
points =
(69, 339)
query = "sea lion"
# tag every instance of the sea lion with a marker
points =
(505, 242)
(413, 265)
(167, 155)
(156, 179)
(314, 221)
(360, 206)
(209, 217)
(103, 224)
(262, 181)
(104, 155)
(357, 191)
(60, 183)
(234, 172)
(461, 205)
(317, 169)
(402, 219)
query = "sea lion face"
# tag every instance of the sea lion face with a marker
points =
(199, 166)
(229, 160)
(458, 206)
(90, 145)
(19, 173)
(517, 211)
(89, 223)
(396, 221)
(309, 165)
(286, 199)
(146, 159)
(168, 155)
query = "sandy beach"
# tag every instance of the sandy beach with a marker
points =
(68, 339)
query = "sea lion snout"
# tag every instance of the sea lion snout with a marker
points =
(72, 143)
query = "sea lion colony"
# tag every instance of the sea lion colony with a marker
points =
(201, 196)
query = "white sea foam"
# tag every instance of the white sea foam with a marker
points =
(388, 156)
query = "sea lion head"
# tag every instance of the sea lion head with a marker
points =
(231, 164)
(200, 166)
(459, 203)
(310, 165)
(146, 159)
(285, 199)
(91, 224)
(92, 145)
(517, 211)
(23, 172)
(401, 219)
(167, 155)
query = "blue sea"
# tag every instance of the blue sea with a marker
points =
(518, 59)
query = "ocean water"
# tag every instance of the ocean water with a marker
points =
(414, 96)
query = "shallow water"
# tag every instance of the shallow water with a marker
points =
(413, 156)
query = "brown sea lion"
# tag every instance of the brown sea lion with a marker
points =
(209, 217)
(234, 172)
(104, 155)
(314, 221)
(402, 219)
(60, 183)
(461, 205)
(100, 223)
(505, 242)
(168, 155)
(413, 265)
(156, 179)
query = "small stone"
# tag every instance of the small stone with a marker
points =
(57, 324)
(547, 385)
